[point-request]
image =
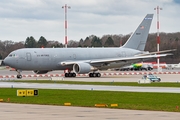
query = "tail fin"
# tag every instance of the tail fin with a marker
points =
(139, 37)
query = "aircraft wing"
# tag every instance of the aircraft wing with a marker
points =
(110, 60)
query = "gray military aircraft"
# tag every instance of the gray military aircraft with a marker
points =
(83, 60)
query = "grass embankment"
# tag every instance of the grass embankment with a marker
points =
(153, 84)
(125, 100)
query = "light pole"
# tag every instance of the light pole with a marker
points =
(65, 10)
(158, 37)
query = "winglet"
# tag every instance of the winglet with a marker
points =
(139, 37)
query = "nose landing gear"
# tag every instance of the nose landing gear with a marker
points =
(19, 76)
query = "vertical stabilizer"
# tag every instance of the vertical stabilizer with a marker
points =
(139, 37)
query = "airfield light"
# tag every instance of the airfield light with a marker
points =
(65, 10)
(158, 37)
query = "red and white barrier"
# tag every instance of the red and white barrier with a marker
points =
(102, 74)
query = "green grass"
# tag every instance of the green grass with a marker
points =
(155, 84)
(125, 100)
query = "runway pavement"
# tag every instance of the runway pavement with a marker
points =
(9, 111)
(89, 87)
(107, 76)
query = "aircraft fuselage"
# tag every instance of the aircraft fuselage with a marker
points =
(51, 58)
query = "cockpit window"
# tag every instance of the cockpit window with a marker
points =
(12, 55)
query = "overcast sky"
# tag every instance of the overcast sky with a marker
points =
(22, 18)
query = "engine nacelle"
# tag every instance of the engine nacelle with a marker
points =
(41, 72)
(82, 68)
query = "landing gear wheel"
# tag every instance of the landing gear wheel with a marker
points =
(66, 75)
(70, 74)
(98, 75)
(90, 74)
(19, 76)
(94, 75)
(73, 74)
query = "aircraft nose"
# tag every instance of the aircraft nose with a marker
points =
(8, 61)
(5, 61)
(2, 63)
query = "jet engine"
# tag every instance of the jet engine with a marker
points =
(41, 72)
(82, 68)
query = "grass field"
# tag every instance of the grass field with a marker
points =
(155, 84)
(125, 100)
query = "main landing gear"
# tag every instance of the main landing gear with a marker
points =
(19, 76)
(69, 74)
(95, 74)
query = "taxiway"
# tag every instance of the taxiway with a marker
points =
(9, 111)
(46, 112)
(89, 87)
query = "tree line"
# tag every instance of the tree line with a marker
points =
(8, 46)
(168, 41)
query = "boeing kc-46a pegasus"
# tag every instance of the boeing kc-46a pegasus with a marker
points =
(83, 60)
